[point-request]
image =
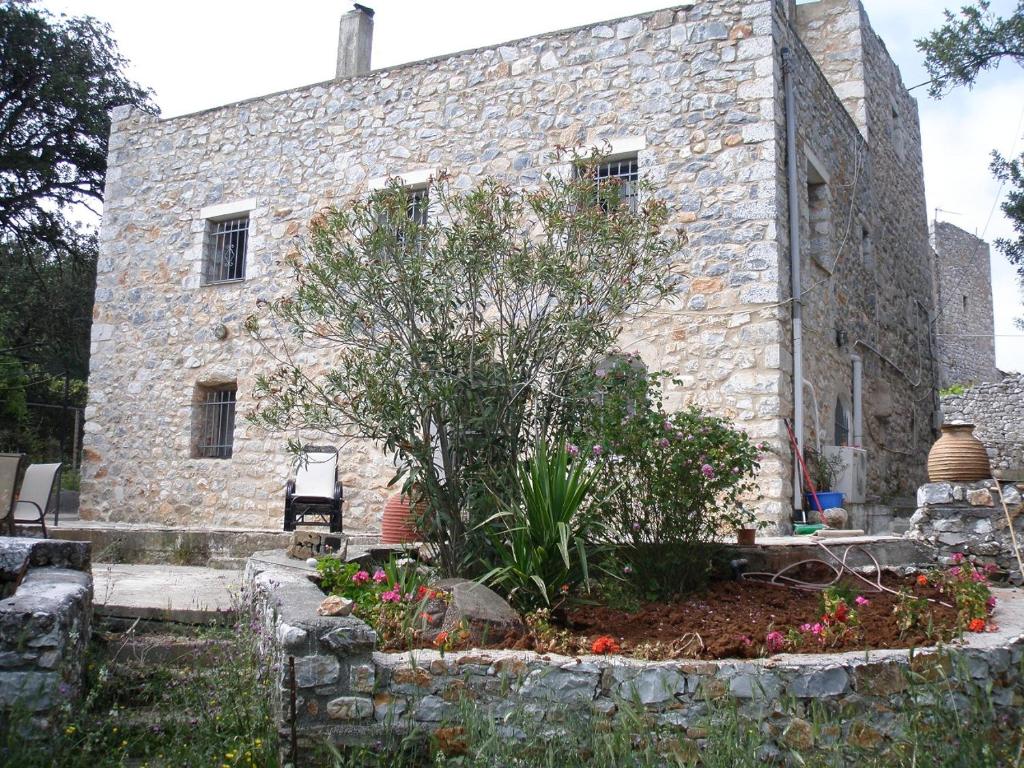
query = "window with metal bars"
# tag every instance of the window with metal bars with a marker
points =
(226, 246)
(419, 203)
(624, 174)
(213, 421)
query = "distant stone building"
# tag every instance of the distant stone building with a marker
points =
(200, 211)
(964, 323)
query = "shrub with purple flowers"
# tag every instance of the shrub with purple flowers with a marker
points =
(671, 479)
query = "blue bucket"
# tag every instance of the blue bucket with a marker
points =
(827, 499)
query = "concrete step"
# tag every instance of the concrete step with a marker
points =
(177, 651)
(189, 595)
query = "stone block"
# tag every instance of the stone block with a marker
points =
(350, 708)
(649, 686)
(311, 671)
(981, 497)
(879, 679)
(820, 683)
(934, 493)
(560, 686)
(361, 678)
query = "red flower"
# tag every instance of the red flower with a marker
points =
(441, 639)
(922, 580)
(605, 644)
(977, 625)
(421, 592)
(842, 612)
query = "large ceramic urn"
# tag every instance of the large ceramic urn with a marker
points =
(399, 523)
(958, 455)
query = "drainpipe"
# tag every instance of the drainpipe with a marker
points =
(794, 270)
(858, 402)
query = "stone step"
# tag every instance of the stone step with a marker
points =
(178, 651)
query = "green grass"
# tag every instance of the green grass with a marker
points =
(199, 712)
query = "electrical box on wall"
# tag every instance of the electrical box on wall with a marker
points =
(852, 478)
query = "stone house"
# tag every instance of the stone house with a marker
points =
(702, 99)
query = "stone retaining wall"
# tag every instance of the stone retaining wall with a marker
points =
(44, 625)
(348, 693)
(997, 410)
(969, 518)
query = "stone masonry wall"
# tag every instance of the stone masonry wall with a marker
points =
(866, 258)
(969, 518)
(347, 693)
(997, 411)
(964, 323)
(692, 86)
(45, 619)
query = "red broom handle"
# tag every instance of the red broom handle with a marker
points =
(803, 466)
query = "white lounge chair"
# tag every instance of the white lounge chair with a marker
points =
(11, 470)
(314, 496)
(37, 489)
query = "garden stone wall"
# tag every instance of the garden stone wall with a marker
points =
(969, 518)
(45, 618)
(997, 411)
(348, 693)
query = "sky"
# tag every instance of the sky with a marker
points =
(196, 54)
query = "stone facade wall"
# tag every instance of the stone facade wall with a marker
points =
(866, 258)
(964, 323)
(45, 617)
(693, 84)
(969, 518)
(698, 87)
(997, 410)
(347, 693)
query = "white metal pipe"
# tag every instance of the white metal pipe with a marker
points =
(794, 269)
(814, 413)
(858, 401)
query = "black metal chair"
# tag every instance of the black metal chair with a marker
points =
(314, 497)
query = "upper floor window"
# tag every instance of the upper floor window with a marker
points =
(419, 205)
(226, 245)
(622, 176)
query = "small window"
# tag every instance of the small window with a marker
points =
(213, 421)
(226, 245)
(842, 424)
(419, 205)
(622, 176)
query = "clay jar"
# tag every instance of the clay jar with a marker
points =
(398, 525)
(958, 455)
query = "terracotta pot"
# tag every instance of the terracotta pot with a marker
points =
(745, 536)
(958, 455)
(398, 526)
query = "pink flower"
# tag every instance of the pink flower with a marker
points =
(978, 576)
(663, 443)
(816, 629)
(747, 642)
(958, 557)
(391, 596)
(955, 570)
(360, 577)
(990, 568)
(708, 471)
(774, 641)
(572, 450)
(598, 450)
(990, 604)
(860, 601)
(379, 576)
(667, 426)
(805, 627)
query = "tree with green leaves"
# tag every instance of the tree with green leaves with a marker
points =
(458, 342)
(59, 78)
(955, 55)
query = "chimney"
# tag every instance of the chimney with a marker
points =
(355, 38)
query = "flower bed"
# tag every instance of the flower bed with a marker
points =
(730, 619)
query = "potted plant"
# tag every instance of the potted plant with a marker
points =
(746, 525)
(823, 471)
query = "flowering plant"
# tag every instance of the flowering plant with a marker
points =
(968, 586)
(671, 481)
(605, 644)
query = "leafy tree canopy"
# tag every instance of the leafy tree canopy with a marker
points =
(59, 78)
(956, 54)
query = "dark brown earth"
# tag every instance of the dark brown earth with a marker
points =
(731, 619)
